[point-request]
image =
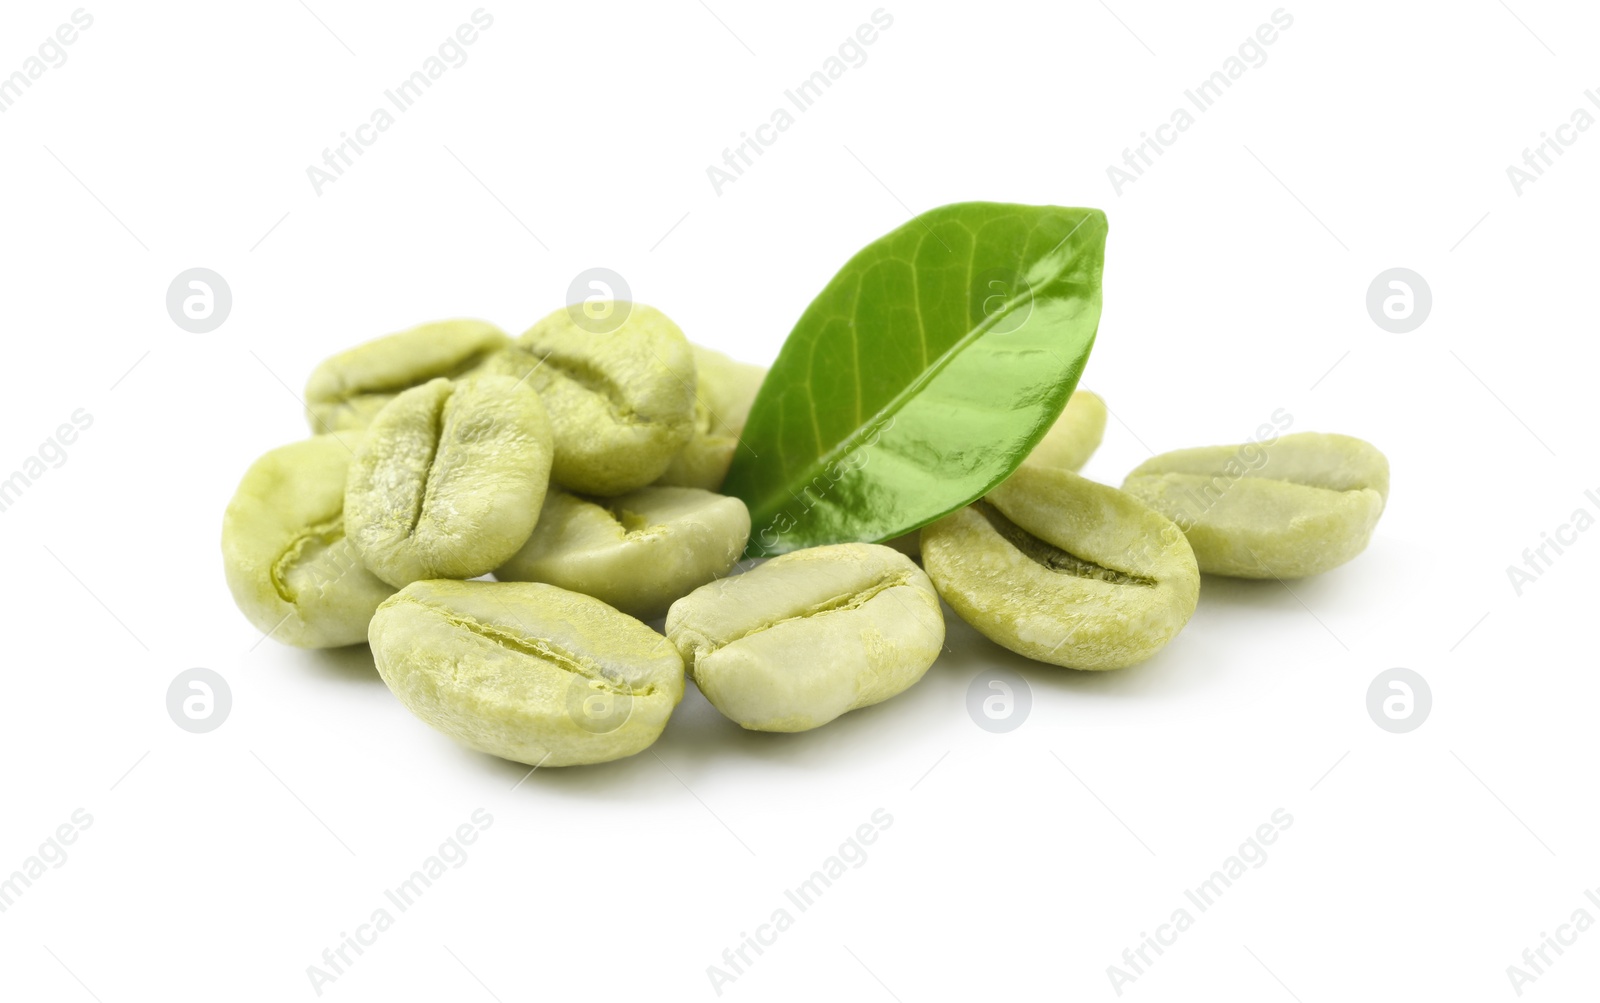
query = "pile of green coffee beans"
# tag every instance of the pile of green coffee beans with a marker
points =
(579, 468)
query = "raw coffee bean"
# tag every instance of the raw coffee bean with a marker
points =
(1296, 506)
(621, 400)
(288, 564)
(1064, 570)
(724, 391)
(527, 672)
(349, 389)
(449, 480)
(810, 635)
(639, 552)
(1075, 435)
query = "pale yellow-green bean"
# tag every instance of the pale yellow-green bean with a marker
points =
(621, 401)
(810, 635)
(639, 552)
(1075, 435)
(1297, 506)
(349, 389)
(525, 671)
(724, 391)
(292, 572)
(1064, 570)
(449, 479)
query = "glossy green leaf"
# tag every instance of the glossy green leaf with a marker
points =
(922, 375)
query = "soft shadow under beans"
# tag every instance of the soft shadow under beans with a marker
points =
(1265, 593)
(352, 664)
(969, 650)
(694, 738)
(629, 779)
(699, 737)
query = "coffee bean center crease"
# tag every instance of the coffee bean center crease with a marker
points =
(1051, 557)
(543, 650)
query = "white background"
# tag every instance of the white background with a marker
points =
(1019, 866)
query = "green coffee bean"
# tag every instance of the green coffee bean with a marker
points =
(621, 400)
(1075, 436)
(288, 564)
(1295, 506)
(810, 635)
(1064, 570)
(724, 391)
(527, 672)
(639, 551)
(449, 480)
(349, 389)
